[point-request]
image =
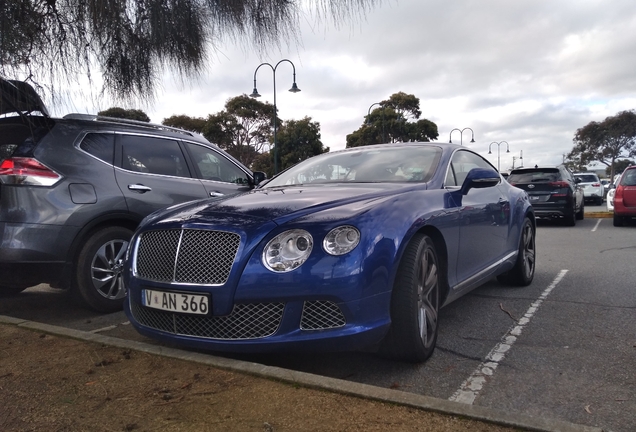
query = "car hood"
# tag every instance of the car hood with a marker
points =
(19, 97)
(279, 204)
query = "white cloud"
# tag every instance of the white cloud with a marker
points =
(529, 72)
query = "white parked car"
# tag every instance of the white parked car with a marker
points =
(593, 189)
(610, 193)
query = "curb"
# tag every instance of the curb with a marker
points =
(599, 214)
(427, 403)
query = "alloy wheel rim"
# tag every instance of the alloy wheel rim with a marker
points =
(427, 297)
(106, 269)
(528, 251)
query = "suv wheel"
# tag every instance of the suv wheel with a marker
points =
(618, 220)
(580, 215)
(98, 278)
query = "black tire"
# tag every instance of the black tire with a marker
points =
(98, 282)
(618, 220)
(570, 218)
(599, 201)
(11, 290)
(415, 303)
(580, 215)
(522, 273)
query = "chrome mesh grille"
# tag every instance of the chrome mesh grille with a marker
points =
(247, 321)
(187, 256)
(320, 315)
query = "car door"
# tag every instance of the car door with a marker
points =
(219, 174)
(483, 219)
(152, 173)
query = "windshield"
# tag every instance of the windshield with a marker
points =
(587, 178)
(538, 175)
(368, 165)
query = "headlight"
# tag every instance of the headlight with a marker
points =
(341, 240)
(288, 250)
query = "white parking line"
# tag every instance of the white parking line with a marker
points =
(469, 390)
(598, 222)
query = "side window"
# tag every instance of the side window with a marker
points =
(450, 177)
(100, 145)
(463, 161)
(211, 165)
(152, 155)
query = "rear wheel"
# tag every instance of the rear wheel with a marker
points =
(522, 273)
(415, 303)
(98, 277)
(580, 215)
(618, 220)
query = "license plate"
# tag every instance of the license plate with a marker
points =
(534, 198)
(176, 302)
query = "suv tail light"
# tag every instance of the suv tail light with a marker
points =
(27, 171)
(596, 184)
(559, 184)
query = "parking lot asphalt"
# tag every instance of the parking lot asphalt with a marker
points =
(365, 391)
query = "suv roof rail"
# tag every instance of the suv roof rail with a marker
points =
(93, 117)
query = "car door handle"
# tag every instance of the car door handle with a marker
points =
(139, 188)
(216, 194)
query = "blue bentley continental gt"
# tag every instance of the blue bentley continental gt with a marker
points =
(348, 250)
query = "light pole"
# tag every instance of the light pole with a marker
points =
(498, 144)
(461, 135)
(294, 89)
(520, 158)
(368, 122)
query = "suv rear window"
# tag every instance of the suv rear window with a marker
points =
(102, 146)
(539, 175)
(587, 178)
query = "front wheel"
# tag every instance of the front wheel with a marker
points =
(522, 273)
(415, 303)
(100, 262)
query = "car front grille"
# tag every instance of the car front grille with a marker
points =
(321, 315)
(246, 321)
(186, 256)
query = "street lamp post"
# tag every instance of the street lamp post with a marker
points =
(514, 158)
(294, 89)
(461, 135)
(369, 113)
(498, 144)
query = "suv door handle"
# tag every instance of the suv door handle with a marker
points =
(139, 188)
(216, 194)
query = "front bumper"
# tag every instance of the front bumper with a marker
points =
(261, 327)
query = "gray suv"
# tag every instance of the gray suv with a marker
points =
(73, 190)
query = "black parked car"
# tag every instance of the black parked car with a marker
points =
(553, 191)
(73, 190)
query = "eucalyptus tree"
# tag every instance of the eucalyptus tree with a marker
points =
(606, 141)
(396, 119)
(131, 42)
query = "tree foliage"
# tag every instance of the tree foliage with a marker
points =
(131, 42)
(243, 129)
(130, 114)
(390, 123)
(619, 167)
(298, 140)
(605, 141)
(193, 124)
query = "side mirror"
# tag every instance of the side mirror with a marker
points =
(259, 176)
(479, 178)
(577, 180)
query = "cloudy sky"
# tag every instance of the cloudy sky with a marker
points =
(528, 72)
